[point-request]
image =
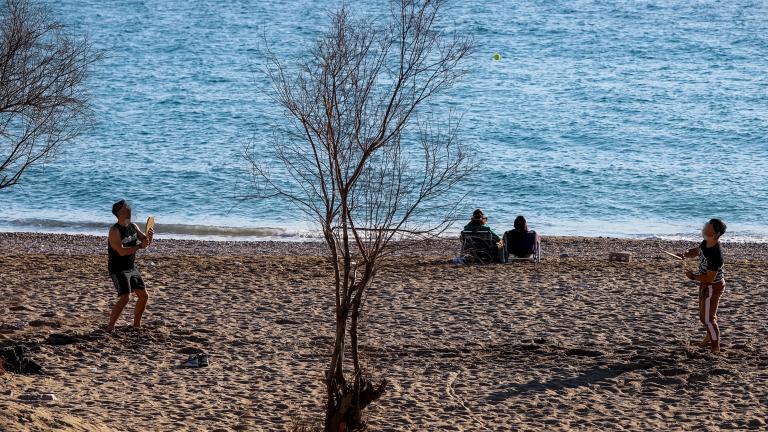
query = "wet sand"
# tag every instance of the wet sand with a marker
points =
(573, 343)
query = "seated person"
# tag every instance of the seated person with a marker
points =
(479, 223)
(521, 242)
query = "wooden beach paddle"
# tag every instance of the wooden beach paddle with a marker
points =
(149, 226)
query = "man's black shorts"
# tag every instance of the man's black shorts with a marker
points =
(127, 281)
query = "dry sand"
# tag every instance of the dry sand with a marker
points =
(574, 343)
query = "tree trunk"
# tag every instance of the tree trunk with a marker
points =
(355, 416)
(335, 382)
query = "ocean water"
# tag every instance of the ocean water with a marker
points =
(630, 119)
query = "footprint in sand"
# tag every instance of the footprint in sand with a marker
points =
(579, 352)
(674, 372)
(191, 350)
(43, 323)
(664, 380)
(66, 339)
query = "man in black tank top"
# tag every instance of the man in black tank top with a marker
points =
(711, 279)
(125, 238)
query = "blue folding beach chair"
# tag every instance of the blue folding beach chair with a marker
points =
(523, 248)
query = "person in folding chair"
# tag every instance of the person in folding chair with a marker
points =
(521, 243)
(479, 241)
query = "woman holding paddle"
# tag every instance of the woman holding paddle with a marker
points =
(711, 278)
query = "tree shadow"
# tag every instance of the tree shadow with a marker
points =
(593, 375)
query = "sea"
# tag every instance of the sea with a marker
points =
(632, 119)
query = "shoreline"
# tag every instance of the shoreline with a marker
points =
(299, 233)
(14, 243)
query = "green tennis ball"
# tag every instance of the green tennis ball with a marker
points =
(497, 56)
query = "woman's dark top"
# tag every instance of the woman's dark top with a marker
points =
(711, 259)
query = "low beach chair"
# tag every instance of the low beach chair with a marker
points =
(479, 245)
(531, 241)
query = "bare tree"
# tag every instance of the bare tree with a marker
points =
(43, 98)
(360, 162)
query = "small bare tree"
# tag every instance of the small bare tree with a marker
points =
(361, 164)
(43, 98)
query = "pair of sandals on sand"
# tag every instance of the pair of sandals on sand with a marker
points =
(196, 361)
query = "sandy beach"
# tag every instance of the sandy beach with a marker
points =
(573, 343)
